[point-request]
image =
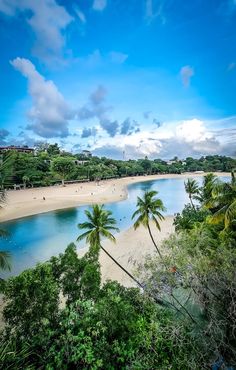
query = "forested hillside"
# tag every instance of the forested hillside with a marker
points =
(50, 165)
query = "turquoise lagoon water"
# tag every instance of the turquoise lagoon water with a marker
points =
(37, 238)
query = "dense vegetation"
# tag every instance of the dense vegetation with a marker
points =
(49, 165)
(182, 315)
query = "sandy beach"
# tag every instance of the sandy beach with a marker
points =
(21, 203)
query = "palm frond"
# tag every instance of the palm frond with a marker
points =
(230, 214)
(83, 236)
(5, 257)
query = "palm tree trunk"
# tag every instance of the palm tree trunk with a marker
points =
(150, 233)
(184, 308)
(122, 268)
(157, 300)
(190, 198)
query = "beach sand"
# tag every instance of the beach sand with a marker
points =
(21, 203)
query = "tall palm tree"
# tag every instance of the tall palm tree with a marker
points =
(192, 189)
(148, 208)
(224, 201)
(99, 225)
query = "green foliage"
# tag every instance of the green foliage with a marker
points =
(189, 218)
(223, 203)
(63, 166)
(81, 276)
(115, 328)
(40, 171)
(6, 171)
(32, 301)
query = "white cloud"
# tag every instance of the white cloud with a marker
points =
(47, 20)
(50, 113)
(192, 131)
(99, 5)
(185, 138)
(186, 73)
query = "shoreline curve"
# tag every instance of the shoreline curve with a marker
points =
(34, 201)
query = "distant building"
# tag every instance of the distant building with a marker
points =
(169, 163)
(19, 149)
(79, 163)
(86, 153)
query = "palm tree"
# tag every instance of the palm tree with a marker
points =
(205, 192)
(148, 209)
(224, 201)
(192, 189)
(100, 223)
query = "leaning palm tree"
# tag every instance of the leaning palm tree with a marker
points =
(148, 208)
(99, 225)
(192, 189)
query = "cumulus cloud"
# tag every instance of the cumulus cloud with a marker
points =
(186, 73)
(99, 5)
(186, 138)
(47, 19)
(50, 113)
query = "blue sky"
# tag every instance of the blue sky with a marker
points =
(144, 77)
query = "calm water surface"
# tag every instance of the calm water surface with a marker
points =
(37, 238)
